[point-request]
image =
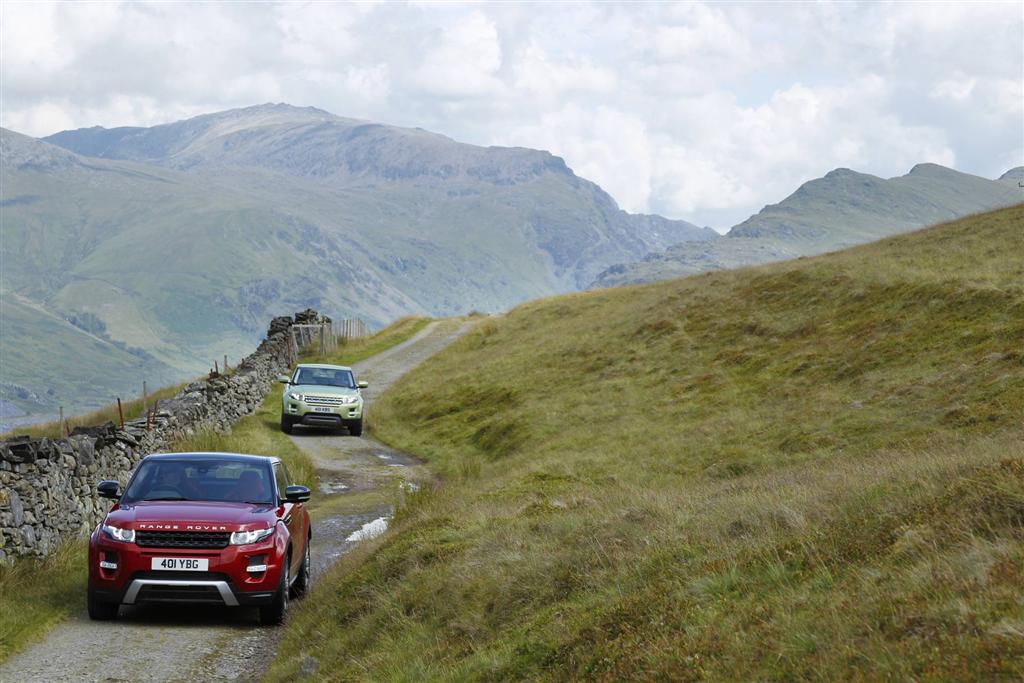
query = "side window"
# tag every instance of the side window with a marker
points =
(282, 479)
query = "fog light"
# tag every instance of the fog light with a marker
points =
(108, 565)
(257, 564)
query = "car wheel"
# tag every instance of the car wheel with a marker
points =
(286, 424)
(355, 428)
(303, 580)
(273, 613)
(100, 610)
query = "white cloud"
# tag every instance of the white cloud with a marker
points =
(956, 89)
(461, 60)
(536, 73)
(703, 111)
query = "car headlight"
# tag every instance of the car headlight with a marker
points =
(119, 534)
(349, 400)
(247, 537)
(297, 397)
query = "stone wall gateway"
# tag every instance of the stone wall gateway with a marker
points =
(48, 486)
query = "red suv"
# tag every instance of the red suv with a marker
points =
(219, 528)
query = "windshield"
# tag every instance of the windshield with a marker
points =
(325, 377)
(228, 481)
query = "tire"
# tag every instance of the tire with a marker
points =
(355, 427)
(274, 613)
(303, 581)
(101, 610)
(286, 424)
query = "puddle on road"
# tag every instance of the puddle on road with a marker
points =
(369, 530)
(333, 487)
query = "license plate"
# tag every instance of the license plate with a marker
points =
(181, 564)
(321, 409)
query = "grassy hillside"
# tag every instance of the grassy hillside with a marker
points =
(37, 348)
(808, 470)
(842, 209)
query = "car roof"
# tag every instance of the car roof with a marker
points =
(323, 366)
(207, 455)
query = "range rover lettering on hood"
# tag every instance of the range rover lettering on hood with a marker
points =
(184, 527)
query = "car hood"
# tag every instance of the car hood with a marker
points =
(192, 516)
(322, 390)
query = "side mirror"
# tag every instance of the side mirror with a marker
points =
(362, 385)
(296, 494)
(108, 489)
(284, 379)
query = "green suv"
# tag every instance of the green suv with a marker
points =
(322, 396)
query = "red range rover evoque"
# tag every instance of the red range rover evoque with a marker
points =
(218, 528)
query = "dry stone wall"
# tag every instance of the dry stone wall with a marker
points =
(48, 486)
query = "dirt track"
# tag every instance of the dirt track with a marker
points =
(197, 643)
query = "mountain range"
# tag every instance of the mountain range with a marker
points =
(146, 253)
(163, 248)
(842, 209)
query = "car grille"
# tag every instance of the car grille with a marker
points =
(182, 539)
(324, 400)
(160, 593)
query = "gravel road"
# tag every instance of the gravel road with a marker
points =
(198, 643)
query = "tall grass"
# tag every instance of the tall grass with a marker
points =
(810, 470)
(36, 594)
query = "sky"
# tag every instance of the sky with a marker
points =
(699, 111)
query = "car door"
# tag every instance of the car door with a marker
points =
(292, 515)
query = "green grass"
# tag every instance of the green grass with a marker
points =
(809, 470)
(35, 595)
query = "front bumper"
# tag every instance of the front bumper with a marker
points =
(310, 414)
(215, 591)
(122, 573)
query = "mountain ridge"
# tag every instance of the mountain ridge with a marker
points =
(843, 208)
